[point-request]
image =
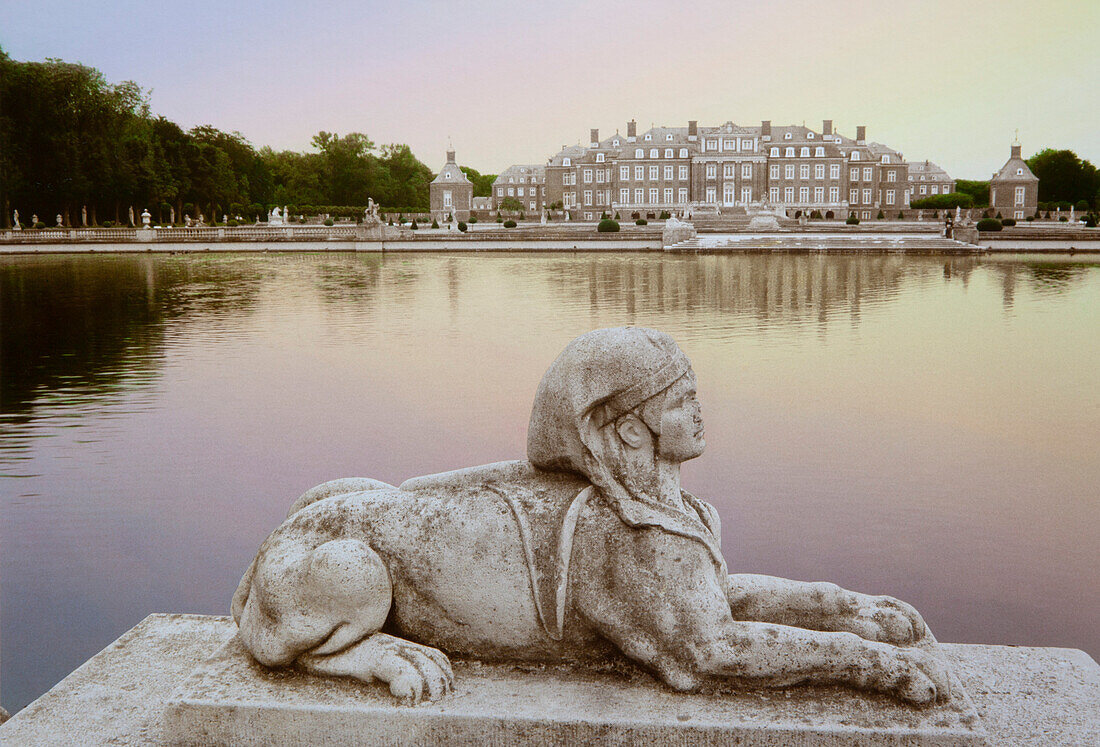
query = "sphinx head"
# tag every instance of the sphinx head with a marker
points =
(613, 406)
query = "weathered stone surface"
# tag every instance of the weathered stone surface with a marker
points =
(675, 231)
(232, 700)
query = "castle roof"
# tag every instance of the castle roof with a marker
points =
(451, 173)
(1015, 169)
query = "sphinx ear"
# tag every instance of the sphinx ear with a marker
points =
(632, 431)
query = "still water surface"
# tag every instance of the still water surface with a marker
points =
(926, 427)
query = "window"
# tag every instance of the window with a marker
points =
(809, 136)
(727, 171)
(599, 158)
(500, 191)
(729, 145)
(531, 205)
(639, 153)
(819, 194)
(1019, 172)
(773, 194)
(727, 193)
(712, 171)
(746, 195)
(889, 197)
(866, 197)
(567, 161)
(1019, 196)
(519, 192)
(683, 152)
(819, 171)
(935, 189)
(712, 145)
(804, 151)
(639, 195)
(711, 194)
(923, 189)
(853, 175)
(891, 176)
(668, 195)
(652, 195)
(624, 173)
(804, 171)
(588, 176)
(819, 151)
(866, 215)
(668, 137)
(599, 176)
(853, 196)
(615, 142)
(746, 171)
(668, 151)
(653, 172)
(789, 153)
(834, 194)
(774, 152)
(511, 180)
(639, 173)
(668, 172)
(588, 216)
(788, 194)
(447, 199)
(683, 172)
(624, 196)
(648, 137)
(682, 195)
(787, 136)
(654, 153)
(588, 197)
(855, 155)
(788, 171)
(866, 173)
(512, 190)
(885, 158)
(773, 171)
(803, 194)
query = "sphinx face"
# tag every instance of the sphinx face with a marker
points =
(681, 434)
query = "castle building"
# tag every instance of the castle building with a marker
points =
(1014, 190)
(526, 184)
(451, 192)
(927, 179)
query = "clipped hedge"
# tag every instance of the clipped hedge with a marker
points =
(641, 222)
(852, 220)
(509, 223)
(608, 226)
(1008, 222)
(462, 227)
(989, 224)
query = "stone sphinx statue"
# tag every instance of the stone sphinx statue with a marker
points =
(586, 552)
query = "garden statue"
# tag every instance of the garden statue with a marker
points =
(15, 221)
(84, 216)
(34, 220)
(171, 216)
(588, 551)
(146, 218)
(187, 221)
(60, 221)
(275, 218)
(131, 215)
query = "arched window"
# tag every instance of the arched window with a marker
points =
(804, 151)
(790, 153)
(775, 152)
(648, 137)
(654, 153)
(668, 137)
(809, 136)
(599, 158)
(855, 155)
(615, 142)
(668, 152)
(567, 161)
(885, 158)
(787, 136)
(683, 152)
(639, 153)
(819, 151)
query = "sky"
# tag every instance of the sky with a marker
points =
(512, 82)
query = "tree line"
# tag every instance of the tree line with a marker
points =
(70, 141)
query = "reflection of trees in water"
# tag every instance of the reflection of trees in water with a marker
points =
(348, 281)
(770, 288)
(92, 325)
(1041, 277)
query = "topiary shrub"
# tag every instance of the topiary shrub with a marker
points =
(852, 220)
(1064, 219)
(414, 226)
(473, 219)
(462, 226)
(815, 215)
(880, 215)
(616, 216)
(509, 223)
(989, 224)
(641, 222)
(608, 226)
(499, 219)
(1008, 222)
(232, 223)
(665, 215)
(328, 221)
(901, 215)
(435, 223)
(1030, 218)
(1090, 221)
(998, 215)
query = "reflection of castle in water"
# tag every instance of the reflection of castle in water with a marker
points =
(771, 288)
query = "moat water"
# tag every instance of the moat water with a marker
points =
(927, 427)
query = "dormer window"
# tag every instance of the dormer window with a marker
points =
(668, 152)
(599, 158)
(787, 136)
(446, 174)
(775, 152)
(683, 152)
(1019, 172)
(819, 151)
(885, 158)
(855, 155)
(511, 180)
(804, 151)
(639, 153)
(789, 153)
(615, 142)
(809, 136)
(567, 161)
(668, 137)
(648, 137)
(654, 153)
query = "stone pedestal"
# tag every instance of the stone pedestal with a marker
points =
(184, 679)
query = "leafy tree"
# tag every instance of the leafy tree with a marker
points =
(943, 202)
(1063, 176)
(483, 183)
(978, 191)
(510, 204)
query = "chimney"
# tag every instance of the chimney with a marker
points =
(766, 129)
(693, 129)
(826, 127)
(631, 131)
(450, 156)
(1016, 151)
(594, 137)
(861, 134)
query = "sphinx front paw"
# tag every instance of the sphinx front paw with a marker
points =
(888, 620)
(413, 671)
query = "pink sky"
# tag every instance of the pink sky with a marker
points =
(512, 82)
